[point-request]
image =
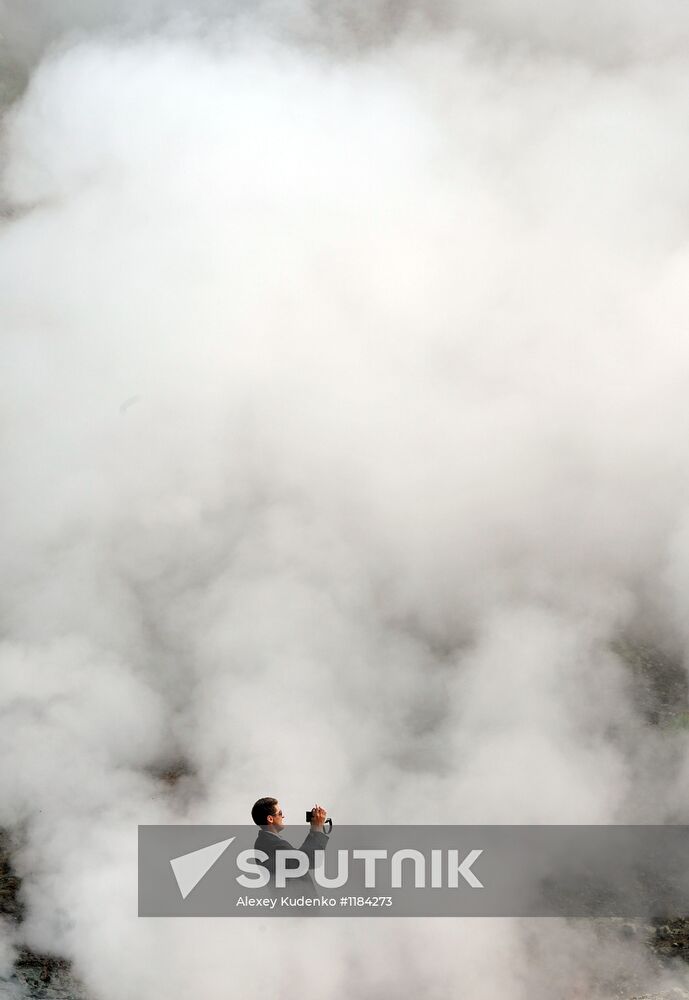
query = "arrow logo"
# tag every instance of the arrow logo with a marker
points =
(189, 869)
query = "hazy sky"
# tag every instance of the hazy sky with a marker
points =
(344, 425)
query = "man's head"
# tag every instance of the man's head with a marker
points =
(268, 812)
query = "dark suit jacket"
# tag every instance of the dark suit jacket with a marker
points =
(271, 843)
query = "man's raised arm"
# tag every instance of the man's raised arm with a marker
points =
(317, 838)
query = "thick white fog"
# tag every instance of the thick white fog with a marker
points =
(344, 438)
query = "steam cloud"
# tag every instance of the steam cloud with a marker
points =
(344, 435)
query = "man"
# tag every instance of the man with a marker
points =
(268, 815)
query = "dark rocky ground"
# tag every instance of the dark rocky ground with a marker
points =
(34, 975)
(45, 976)
(660, 684)
(671, 939)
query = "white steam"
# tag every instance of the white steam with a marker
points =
(344, 433)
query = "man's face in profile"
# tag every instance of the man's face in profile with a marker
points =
(277, 820)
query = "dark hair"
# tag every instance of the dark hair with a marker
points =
(262, 809)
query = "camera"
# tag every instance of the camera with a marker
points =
(328, 823)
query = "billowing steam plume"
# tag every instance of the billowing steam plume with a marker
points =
(344, 436)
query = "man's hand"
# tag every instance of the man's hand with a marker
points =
(318, 817)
